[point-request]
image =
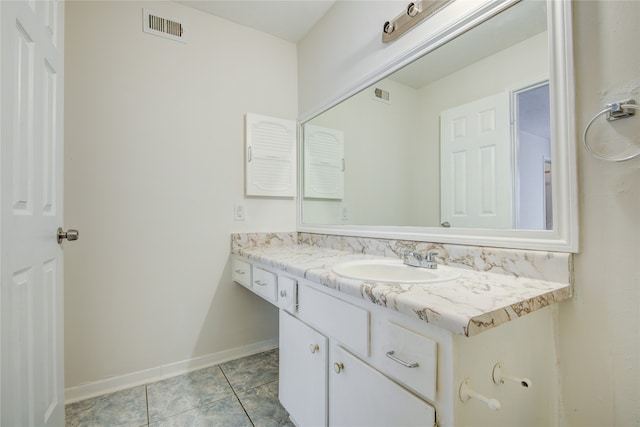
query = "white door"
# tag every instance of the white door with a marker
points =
(475, 162)
(31, 106)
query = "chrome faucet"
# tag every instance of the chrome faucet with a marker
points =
(414, 259)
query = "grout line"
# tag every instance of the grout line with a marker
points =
(146, 395)
(236, 395)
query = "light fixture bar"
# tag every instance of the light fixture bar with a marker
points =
(415, 13)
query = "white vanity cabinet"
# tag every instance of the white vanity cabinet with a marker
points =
(347, 362)
(357, 394)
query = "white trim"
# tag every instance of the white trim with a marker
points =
(564, 237)
(514, 91)
(146, 376)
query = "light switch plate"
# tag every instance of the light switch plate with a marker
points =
(239, 211)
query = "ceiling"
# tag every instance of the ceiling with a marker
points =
(289, 20)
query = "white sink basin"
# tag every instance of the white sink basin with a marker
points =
(393, 271)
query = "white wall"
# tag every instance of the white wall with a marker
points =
(599, 340)
(153, 165)
(599, 329)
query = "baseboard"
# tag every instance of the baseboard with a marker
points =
(110, 385)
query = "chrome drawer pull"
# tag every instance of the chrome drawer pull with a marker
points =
(391, 355)
(260, 283)
(240, 272)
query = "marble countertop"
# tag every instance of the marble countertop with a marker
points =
(473, 303)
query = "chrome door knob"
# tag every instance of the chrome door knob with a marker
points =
(69, 235)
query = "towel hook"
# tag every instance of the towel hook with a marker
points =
(614, 111)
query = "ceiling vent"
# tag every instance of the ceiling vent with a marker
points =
(168, 28)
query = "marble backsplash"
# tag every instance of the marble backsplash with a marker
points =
(550, 266)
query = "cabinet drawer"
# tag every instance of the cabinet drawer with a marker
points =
(265, 284)
(287, 293)
(241, 271)
(338, 319)
(408, 357)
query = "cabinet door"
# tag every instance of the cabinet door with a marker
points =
(303, 372)
(361, 396)
(271, 156)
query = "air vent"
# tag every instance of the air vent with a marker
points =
(381, 95)
(169, 28)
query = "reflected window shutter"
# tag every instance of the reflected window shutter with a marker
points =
(270, 156)
(323, 162)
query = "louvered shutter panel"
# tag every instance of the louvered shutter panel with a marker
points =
(271, 156)
(323, 162)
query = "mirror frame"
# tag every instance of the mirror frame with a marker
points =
(564, 236)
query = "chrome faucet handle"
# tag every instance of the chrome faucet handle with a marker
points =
(429, 261)
(412, 258)
(416, 255)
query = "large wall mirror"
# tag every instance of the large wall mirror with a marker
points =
(472, 142)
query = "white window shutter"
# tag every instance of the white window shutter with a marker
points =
(271, 156)
(323, 162)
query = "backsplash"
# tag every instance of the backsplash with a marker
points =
(551, 266)
(246, 240)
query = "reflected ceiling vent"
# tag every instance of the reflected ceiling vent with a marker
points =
(381, 95)
(155, 24)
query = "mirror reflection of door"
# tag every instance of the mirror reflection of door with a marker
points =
(533, 208)
(475, 166)
(478, 187)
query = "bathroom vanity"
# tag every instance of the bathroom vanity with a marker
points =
(470, 351)
(476, 348)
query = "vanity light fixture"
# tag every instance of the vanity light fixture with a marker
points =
(415, 13)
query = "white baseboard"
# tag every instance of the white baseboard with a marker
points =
(146, 376)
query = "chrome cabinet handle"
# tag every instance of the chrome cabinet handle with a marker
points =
(314, 348)
(69, 235)
(391, 355)
(283, 293)
(338, 367)
(260, 283)
(240, 272)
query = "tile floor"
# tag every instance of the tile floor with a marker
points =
(242, 392)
